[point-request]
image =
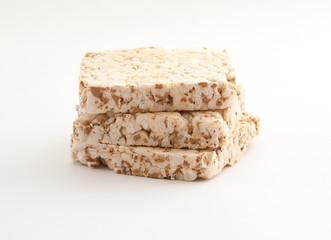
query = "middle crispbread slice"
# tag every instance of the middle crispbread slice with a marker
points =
(193, 130)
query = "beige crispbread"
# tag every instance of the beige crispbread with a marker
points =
(170, 163)
(193, 130)
(156, 80)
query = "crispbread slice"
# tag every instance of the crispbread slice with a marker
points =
(193, 130)
(167, 162)
(156, 80)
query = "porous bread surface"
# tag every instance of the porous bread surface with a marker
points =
(170, 163)
(153, 65)
(155, 79)
(193, 130)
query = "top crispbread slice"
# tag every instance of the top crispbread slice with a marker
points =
(155, 79)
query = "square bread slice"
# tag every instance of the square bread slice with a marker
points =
(183, 164)
(156, 80)
(193, 130)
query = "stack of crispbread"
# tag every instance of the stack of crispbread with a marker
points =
(152, 112)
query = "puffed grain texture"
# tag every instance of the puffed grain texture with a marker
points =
(156, 80)
(170, 163)
(193, 130)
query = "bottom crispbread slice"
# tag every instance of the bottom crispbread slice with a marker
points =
(184, 164)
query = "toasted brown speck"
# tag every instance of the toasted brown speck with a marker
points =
(96, 92)
(127, 163)
(203, 84)
(116, 99)
(90, 55)
(154, 175)
(204, 98)
(166, 122)
(159, 159)
(176, 171)
(105, 99)
(194, 141)
(87, 130)
(167, 168)
(135, 109)
(170, 100)
(136, 137)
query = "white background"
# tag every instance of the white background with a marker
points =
(281, 189)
